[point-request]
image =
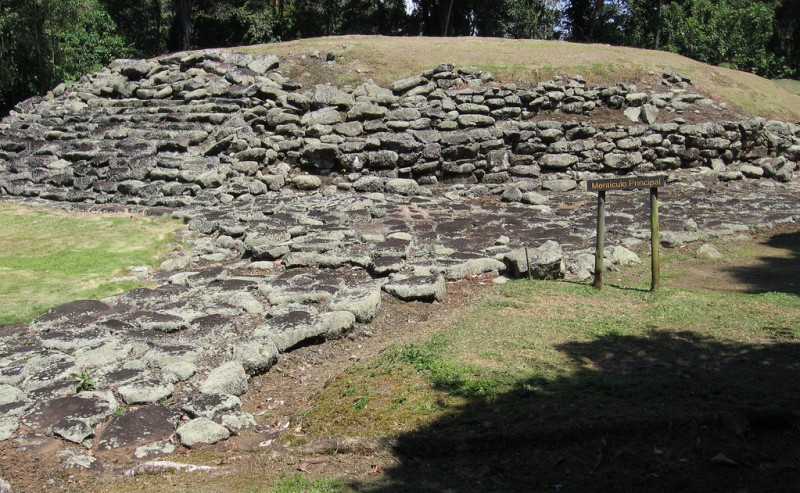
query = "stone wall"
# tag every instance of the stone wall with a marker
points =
(207, 127)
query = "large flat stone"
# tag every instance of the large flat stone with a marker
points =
(418, 288)
(144, 425)
(229, 378)
(201, 431)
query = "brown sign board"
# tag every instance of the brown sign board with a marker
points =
(627, 183)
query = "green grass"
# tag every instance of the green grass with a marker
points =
(789, 85)
(297, 483)
(48, 258)
(532, 349)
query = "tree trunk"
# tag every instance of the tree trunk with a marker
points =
(447, 18)
(280, 18)
(598, 5)
(185, 14)
(157, 45)
(659, 25)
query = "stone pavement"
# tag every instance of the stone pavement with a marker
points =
(170, 362)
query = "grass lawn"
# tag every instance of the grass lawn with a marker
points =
(789, 85)
(549, 383)
(532, 350)
(49, 257)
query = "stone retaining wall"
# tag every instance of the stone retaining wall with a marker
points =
(208, 127)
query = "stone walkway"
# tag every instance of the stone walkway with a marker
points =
(289, 268)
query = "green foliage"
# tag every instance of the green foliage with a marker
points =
(84, 39)
(727, 31)
(760, 37)
(50, 41)
(538, 19)
(387, 17)
(45, 42)
(233, 23)
(143, 24)
(785, 42)
(453, 377)
(534, 19)
(85, 380)
(597, 20)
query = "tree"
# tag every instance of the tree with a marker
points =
(44, 42)
(234, 23)
(644, 26)
(535, 19)
(183, 27)
(732, 32)
(142, 24)
(784, 46)
(500, 18)
(596, 21)
(387, 17)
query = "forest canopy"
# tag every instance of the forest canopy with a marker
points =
(45, 42)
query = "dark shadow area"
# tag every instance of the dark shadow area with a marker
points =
(778, 274)
(666, 412)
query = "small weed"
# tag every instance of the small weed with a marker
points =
(350, 389)
(85, 379)
(361, 402)
(294, 440)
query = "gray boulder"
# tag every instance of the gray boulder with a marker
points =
(363, 302)
(324, 116)
(255, 355)
(146, 391)
(511, 194)
(408, 83)
(558, 161)
(230, 378)
(474, 267)
(418, 288)
(564, 185)
(263, 64)
(544, 262)
(402, 186)
(306, 182)
(201, 431)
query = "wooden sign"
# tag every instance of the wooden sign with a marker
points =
(634, 182)
(627, 183)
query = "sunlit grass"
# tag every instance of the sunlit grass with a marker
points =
(561, 343)
(48, 258)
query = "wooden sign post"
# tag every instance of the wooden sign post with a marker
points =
(629, 183)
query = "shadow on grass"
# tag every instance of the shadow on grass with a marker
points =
(665, 412)
(774, 274)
